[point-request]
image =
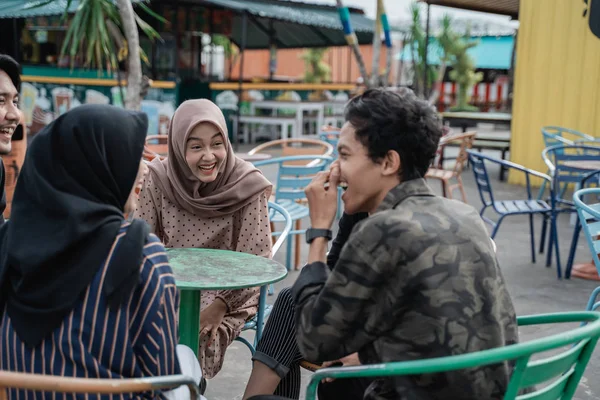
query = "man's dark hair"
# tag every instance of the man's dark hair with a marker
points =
(12, 69)
(386, 121)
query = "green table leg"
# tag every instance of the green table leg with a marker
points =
(189, 319)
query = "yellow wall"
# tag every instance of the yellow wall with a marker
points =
(557, 77)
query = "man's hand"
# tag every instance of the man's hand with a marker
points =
(211, 317)
(322, 201)
(347, 361)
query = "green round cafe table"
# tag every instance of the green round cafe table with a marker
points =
(196, 270)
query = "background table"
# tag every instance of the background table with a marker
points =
(206, 269)
(299, 108)
(465, 119)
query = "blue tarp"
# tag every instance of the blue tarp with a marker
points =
(492, 52)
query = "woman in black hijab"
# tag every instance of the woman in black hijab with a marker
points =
(83, 292)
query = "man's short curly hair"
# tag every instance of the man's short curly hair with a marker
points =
(12, 69)
(386, 121)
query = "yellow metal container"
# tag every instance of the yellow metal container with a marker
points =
(557, 76)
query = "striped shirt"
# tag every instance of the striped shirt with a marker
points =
(138, 340)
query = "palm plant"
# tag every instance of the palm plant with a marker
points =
(316, 70)
(103, 32)
(446, 41)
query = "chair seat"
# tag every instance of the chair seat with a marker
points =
(437, 173)
(296, 211)
(251, 323)
(521, 206)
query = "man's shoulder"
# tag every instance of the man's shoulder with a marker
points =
(418, 219)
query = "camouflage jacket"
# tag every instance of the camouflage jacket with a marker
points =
(417, 279)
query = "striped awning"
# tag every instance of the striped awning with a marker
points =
(503, 7)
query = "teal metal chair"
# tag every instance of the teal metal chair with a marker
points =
(331, 136)
(556, 136)
(289, 192)
(558, 159)
(562, 370)
(589, 217)
(589, 180)
(258, 321)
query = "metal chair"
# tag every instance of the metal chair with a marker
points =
(563, 369)
(61, 384)
(157, 144)
(258, 321)
(589, 218)
(295, 147)
(330, 135)
(445, 176)
(590, 178)
(505, 208)
(556, 136)
(558, 159)
(289, 191)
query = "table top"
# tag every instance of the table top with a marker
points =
(481, 116)
(591, 165)
(208, 269)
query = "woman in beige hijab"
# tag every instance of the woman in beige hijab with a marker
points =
(203, 196)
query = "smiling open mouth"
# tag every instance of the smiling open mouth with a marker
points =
(7, 131)
(207, 168)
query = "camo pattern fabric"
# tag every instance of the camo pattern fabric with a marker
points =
(417, 279)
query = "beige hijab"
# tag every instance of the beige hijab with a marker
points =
(238, 182)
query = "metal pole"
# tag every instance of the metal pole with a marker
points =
(17, 42)
(210, 65)
(176, 35)
(425, 74)
(272, 51)
(236, 143)
(349, 69)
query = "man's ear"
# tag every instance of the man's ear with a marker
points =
(391, 164)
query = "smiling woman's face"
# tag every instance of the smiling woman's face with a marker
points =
(205, 151)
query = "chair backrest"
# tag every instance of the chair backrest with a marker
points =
(465, 142)
(156, 145)
(559, 158)
(274, 209)
(589, 216)
(330, 135)
(61, 384)
(482, 178)
(560, 372)
(557, 135)
(292, 179)
(295, 147)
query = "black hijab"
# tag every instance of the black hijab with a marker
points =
(67, 210)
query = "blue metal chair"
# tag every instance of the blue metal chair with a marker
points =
(589, 217)
(556, 136)
(557, 158)
(505, 208)
(588, 180)
(331, 136)
(289, 191)
(258, 321)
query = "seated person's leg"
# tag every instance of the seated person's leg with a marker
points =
(276, 369)
(189, 365)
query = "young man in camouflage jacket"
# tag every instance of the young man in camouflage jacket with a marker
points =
(10, 82)
(416, 279)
